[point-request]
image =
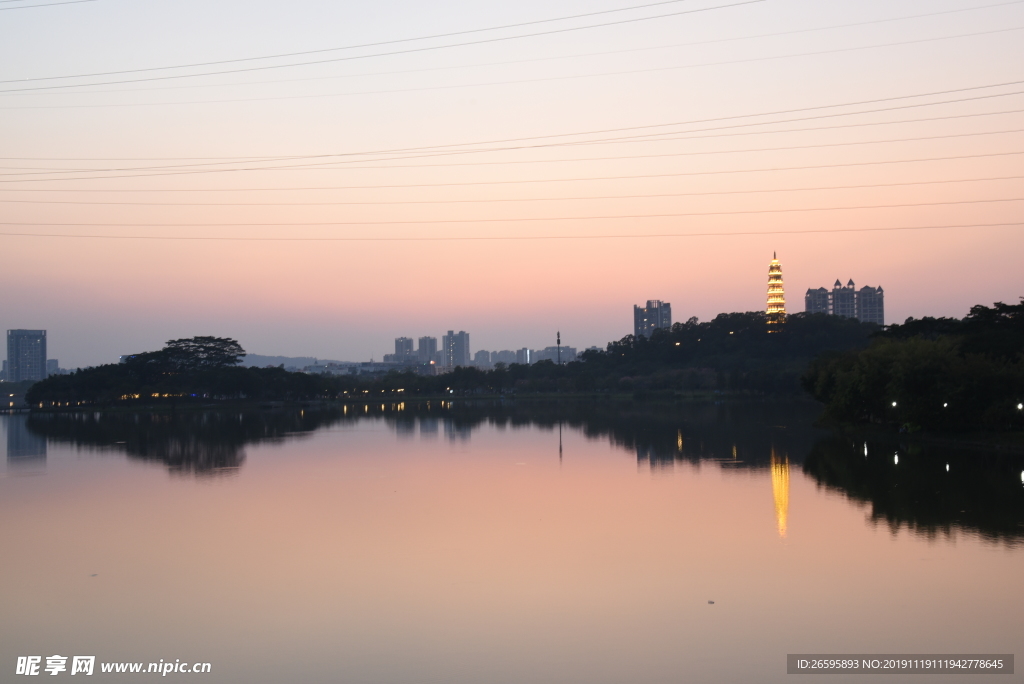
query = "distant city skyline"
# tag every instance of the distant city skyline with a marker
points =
(436, 351)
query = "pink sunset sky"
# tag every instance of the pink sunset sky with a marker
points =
(544, 174)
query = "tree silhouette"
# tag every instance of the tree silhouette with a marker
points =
(202, 353)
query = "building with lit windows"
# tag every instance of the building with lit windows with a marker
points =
(26, 355)
(403, 347)
(455, 347)
(817, 301)
(427, 350)
(657, 314)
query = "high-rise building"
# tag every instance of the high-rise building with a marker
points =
(776, 309)
(657, 314)
(427, 351)
(26, 355)
(816, 301)
(524, 356)
(844, 300)
(871, 305)
(403, 348)
(866, 304)
(482, 359)
(455, 347)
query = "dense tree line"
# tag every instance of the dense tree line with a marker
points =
(733, 352)
(196, 369)
(932, 373)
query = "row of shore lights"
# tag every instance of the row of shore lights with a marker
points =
(1020, 406)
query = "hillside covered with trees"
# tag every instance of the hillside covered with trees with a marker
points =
(931, 373)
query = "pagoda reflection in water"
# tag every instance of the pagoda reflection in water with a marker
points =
(780, 490)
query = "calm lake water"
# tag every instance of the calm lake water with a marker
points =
(500, 543)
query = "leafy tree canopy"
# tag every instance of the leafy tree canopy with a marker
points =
(197, 353)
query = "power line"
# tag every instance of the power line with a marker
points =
(197, 224)
(359, 57)
(602, 178)
(267, 157)
(510, 237)
(515, 199)
(455, 148)
(560, 57)
(52, 4)
(587, 159)
(495, 83)
(349, 47)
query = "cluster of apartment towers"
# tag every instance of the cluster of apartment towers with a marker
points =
(454, 351)
(866, 304)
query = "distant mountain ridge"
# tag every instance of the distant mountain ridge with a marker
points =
(261, 361)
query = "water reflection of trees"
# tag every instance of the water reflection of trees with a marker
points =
(932, 490)
(741, 434)
(203, 443)
(981, 492)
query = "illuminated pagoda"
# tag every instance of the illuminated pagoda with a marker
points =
(776, 294)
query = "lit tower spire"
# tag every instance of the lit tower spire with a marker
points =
(776, 294)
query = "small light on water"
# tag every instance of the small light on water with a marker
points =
(865, 449)
(896, 459)
(945, 405)
(894, 403)
(947, 467)
(1020, 407)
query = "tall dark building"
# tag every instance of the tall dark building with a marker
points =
(871, 305)
(844, 300)
(26, 355)
(455, 347)
(427, 350)
(403, 348)
(657, 314)
(816, 301)
(866, 304)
